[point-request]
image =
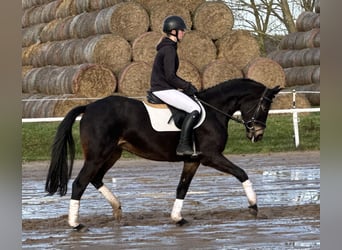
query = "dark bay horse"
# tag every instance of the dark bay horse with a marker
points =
(115, 123)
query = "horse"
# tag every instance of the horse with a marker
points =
(116, 123)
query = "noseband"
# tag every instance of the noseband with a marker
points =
(250, 124)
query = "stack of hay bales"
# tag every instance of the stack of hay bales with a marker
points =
(95, 48)
(299, 55)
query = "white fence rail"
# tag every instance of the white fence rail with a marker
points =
(295, 111)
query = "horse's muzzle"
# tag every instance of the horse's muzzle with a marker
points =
(255, 134)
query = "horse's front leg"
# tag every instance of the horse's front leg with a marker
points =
(189, 170)
(223, 164)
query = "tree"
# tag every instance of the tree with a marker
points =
(268, 18)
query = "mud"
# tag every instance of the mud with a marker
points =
(287, 185)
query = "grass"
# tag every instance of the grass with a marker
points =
(37, 137)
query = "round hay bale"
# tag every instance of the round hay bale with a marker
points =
(40, 14)
(301, 75)
(31, 35)
(301, 40)
(317, 6)
(42, 106)
(25, 69)
(110, 50)
(219, 71)
(238, 48)
(285, 101)
(56, 30)
(294, 58)
(160, 12)
(190, 73)
(266, 71)
(197, 48)
(150, 4)
(25, 4)
(144, 47)
(127, 19)
(82, 25)
(213, 18)
(134, 80)
(308, 20)
(314, 98)
(190, 5)
(27, 54)
(66, 8)
(89, 80)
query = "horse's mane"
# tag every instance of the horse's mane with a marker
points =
(239, 85)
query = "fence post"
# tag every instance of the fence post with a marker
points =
(295, 119)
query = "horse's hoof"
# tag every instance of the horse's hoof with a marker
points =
(117, 214)
(81, 228)
(182, 222)
(253, 209)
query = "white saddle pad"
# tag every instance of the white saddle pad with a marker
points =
(160, 118)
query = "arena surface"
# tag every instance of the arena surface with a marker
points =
(287, 185)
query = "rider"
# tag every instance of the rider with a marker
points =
(170, 88)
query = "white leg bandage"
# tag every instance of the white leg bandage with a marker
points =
(73, 213)
(176, 211)
(110, 197)
(251, 196)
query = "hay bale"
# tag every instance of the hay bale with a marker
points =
(190, 5)
(219, 71)
(56, 30)
(213, 18)
(301, 40)
(266, 71)
(110, 50)
(308, 20)
(134, 80)
(31, 35)
(149, 5)
(317, 6)
(197, 48)
(25, 69)
(42, 106)
(285, 101)
(160, 12)
(40, 14)
(238, 47)
(25, 4)
(127, 19)
(314, 98)
(113, 51)
(294, 58)
(302, 75)
(144, 47)
(90, 80)
(190, 73)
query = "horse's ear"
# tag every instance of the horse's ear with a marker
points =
(276, 89)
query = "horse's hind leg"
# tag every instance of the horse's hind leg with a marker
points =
(189, 170)
(104, 190)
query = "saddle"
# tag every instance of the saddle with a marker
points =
(177, 114)
(164, 117)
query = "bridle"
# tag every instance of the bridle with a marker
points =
(250, 124)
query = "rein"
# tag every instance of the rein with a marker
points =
(221, 112)
(246, 124)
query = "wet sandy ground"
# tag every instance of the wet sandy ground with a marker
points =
(287, 185)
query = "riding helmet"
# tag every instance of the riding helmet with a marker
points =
(173, 23)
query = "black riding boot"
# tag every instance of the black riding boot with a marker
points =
(185, 146)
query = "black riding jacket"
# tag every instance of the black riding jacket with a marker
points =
(165, 66)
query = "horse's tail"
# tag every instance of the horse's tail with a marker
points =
(59, 171)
